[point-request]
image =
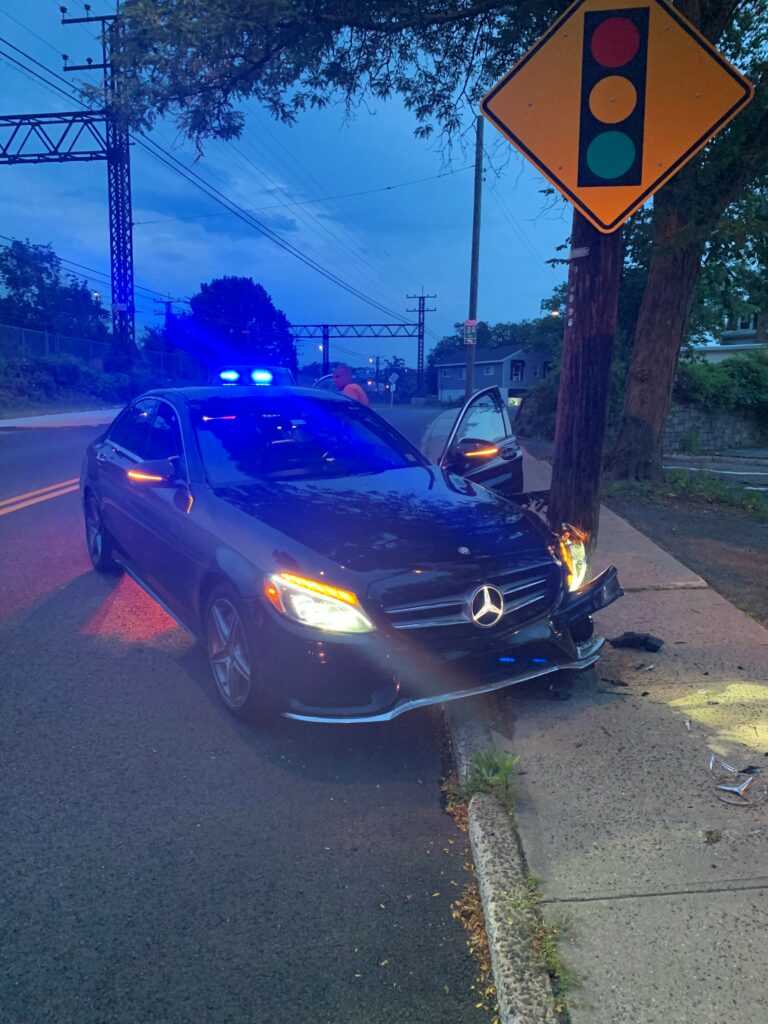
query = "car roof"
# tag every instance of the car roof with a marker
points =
(201, 392)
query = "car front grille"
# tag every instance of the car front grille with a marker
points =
(529, 591)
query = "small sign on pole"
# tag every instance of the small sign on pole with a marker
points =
(470, 332)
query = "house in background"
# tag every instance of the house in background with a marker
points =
(513, 370)
(749, 335)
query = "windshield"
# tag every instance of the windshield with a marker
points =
(294, 436)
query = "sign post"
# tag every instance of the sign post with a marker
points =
(470, 342)
(393, 379)
(609, 104)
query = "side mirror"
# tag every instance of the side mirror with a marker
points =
(155, 473)
(473, 450)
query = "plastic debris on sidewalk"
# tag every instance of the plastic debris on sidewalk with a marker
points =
(740, 787)
(638, 641)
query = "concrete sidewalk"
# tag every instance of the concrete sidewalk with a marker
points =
(84, 418)
(665, 886)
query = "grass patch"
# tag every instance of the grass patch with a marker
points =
(703, 488)
(545, 937)
(492, 771)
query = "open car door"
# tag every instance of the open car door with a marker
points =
(482, 446)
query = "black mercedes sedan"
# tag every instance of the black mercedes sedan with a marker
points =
(331, 571)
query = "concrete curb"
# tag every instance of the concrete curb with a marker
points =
(523, 988)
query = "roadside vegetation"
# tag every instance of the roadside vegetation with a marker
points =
(700, 488)
(492, 771)
(545, 939)
(50, 383)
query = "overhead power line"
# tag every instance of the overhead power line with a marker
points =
(309, 202)
(192, 177)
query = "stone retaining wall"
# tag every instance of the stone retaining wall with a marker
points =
(690, 428)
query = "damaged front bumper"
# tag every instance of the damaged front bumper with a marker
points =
(544, 647)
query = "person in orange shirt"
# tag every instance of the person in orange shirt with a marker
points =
(342, 378)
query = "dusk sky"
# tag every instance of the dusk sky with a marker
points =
(386, 244)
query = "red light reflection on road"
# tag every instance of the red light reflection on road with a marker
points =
(130, 615)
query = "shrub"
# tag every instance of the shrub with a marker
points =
(536, 415)
(737, 384)
(49, 377)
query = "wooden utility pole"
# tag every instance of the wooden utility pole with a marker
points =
(585, 377)
(475, 264)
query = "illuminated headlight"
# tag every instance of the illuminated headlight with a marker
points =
(574, 555)
(316, 604)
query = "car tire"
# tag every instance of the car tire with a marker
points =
(230, 652)
(98, 541)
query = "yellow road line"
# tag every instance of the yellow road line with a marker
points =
(41, 490)
(36, 501)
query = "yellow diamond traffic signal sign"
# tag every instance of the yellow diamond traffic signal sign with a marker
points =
(613, 99)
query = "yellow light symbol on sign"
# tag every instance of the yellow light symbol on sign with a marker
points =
(613, 100)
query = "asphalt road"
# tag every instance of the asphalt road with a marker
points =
(737, 470)
(163, 863)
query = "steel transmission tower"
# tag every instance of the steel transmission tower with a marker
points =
(325, 332)
(421, 310)
(78, 136)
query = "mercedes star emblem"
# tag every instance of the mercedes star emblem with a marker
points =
(486, 606)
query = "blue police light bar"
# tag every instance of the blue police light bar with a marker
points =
(230, 376)
(262, 376)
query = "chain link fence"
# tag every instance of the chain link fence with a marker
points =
(23, 342)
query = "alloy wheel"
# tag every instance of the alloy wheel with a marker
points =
(93, 530)
(228, 653)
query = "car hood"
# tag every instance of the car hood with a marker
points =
(393, 520)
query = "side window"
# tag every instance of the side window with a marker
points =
(132, 428)
(165, 436)
(486, 419)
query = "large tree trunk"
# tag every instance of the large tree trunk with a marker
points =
(661, 322)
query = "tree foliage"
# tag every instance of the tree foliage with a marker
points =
(35, 293)
(739, 384)
(232, 319)
(733, 283)
(199, 59)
